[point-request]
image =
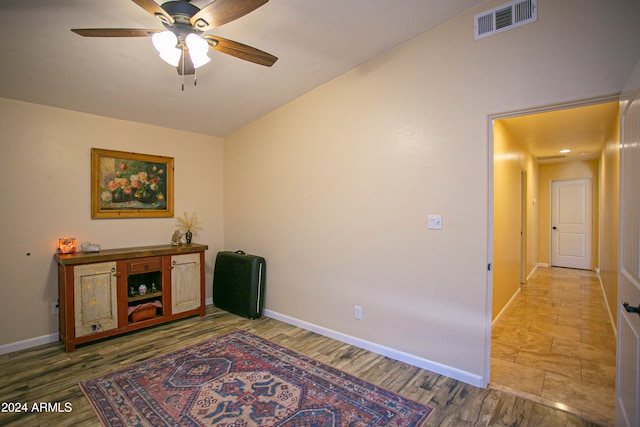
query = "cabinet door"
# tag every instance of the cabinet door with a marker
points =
(95, 298)
(185, 282)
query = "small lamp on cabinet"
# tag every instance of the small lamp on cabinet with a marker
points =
(67, 245)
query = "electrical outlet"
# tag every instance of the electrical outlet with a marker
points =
(357, 312)
(435, 222)
(55, 308)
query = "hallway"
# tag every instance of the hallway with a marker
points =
(555, 345)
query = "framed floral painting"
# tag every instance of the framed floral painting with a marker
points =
(130, 185)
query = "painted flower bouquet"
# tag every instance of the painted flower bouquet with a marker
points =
(133, 181)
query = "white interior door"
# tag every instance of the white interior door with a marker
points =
(628, 346)
(571, 223)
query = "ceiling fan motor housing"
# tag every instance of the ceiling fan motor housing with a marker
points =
(181, 12)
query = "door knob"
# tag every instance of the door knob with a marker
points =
(631, 309)
(555, 228)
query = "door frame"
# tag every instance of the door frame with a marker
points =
(523, 226)
(490, 124)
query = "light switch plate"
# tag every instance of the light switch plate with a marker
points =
(435, 222)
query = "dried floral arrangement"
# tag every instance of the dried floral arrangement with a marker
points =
(189, 222)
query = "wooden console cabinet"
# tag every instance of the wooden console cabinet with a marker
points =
(114, 291)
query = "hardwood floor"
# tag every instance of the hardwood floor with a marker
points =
(555, 344)
(48, 374)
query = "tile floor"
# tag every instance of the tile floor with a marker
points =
(555, 345)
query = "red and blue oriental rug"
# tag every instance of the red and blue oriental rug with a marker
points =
(240, 379)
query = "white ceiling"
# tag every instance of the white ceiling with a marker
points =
(315, 40)
(583, 130)
(44, 62)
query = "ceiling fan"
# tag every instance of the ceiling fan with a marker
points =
(182, 44)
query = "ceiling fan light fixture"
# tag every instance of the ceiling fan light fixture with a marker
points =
(164, 41)
(186, 23)
(198, 48)
(171, 56)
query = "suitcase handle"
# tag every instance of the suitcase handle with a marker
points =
(241, 252)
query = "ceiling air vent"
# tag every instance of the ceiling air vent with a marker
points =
(553, 157)
(505, 17)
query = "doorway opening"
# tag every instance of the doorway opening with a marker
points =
(526, 158)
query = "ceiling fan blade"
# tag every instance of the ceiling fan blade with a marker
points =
(153, 8)
(240, 50)
(220, 12)
(114, 32)
(185, 60)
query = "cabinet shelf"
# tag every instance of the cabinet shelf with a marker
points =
(148, 295)
(178, 273)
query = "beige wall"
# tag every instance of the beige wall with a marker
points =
(609, 208)
(45, 163)
(560, 172)
(509, 161)
(334, 188)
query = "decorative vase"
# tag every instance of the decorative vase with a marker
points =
(188, 236)
(142, 289)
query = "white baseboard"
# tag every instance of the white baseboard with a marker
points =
(401, 356)
(538, 265)
(31, 342)
(606, 304)
(45, 339)
(536, 269)
(504, 309)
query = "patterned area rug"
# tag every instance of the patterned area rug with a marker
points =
(240, 379)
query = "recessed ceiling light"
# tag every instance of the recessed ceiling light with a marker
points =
(566, 150)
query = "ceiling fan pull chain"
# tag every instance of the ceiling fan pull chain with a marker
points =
(195, 78)
(182, 75)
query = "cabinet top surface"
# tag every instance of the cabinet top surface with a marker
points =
(125, 253)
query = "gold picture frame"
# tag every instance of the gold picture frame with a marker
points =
(130, 185)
